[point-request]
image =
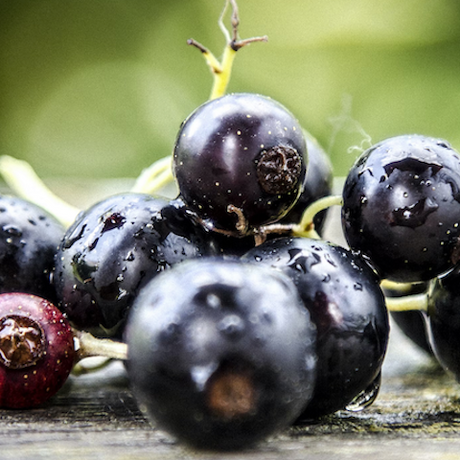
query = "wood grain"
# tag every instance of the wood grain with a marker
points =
(416, 416)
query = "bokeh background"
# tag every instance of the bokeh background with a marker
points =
(98, 88)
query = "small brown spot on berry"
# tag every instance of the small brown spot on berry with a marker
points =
(22, 342)
(279, 169)
(231, 394)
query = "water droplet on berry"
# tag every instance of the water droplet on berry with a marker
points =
(76, 235)
(201, 374)
(366, 397)
(11, 230)
(231, 325)
(414, 215)
(213, 300)
(115, 220)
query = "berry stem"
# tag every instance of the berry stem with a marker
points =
(222, 78)
(155, 177)
(24, 181)
(84, 367)
(242, 224)
(400, 288)
(407, 303)
(87, 346)
(305, 227)
(222, 70)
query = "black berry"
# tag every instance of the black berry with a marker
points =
(239, 161)
(29, 238)
(112, 250)
(444, 322)
(402, 207)
(347, 306)
(221, 353)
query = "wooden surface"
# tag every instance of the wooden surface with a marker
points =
(416, 416)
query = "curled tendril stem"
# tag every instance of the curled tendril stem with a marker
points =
(242, 223)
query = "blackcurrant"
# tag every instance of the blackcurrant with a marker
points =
(221, 352)
(36, 350)
(239, 161)
(112, 250)
(402, 207)
(347, 306)
(444, 322)
(29, 238)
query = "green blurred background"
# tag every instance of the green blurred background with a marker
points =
(98, 88)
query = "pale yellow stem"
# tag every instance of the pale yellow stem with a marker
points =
(24, 182)
(222, 78)
(305, 227)
(155, 177)
(417, 302)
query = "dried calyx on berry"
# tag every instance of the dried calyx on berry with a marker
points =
(22, 341)
(279, 169)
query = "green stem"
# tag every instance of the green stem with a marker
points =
(222, 70)
(24, 181)
(87, 366)
(222, 78)
(155, 177)
(89, 346)
(408, 303)
(400, 288)
(305, 227)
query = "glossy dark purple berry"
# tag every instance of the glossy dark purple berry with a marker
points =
(112, 250)
(444, 322)
(239, 161)
(347, 306)
(402, 207)
(29, 237)
(221, 352)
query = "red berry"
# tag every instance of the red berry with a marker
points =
(36, 350)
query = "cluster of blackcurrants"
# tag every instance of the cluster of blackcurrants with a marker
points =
(236, 326)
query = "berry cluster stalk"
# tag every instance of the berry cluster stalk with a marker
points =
(222, 70)
(20, 177)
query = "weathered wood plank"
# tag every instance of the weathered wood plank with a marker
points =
(417, 415)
